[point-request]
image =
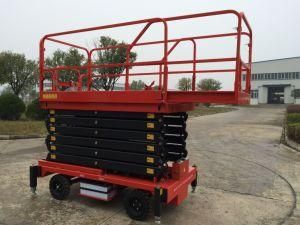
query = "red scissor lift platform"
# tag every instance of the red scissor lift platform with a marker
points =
(80, 96)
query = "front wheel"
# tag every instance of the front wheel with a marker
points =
(60, 187)
(137, 204)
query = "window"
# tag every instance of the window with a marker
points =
(254, 93)
(297, 75)
(287, 76)
(258, 76)
(244, 77)
(273, 76)
(296, 93)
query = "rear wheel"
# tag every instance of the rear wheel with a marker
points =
(60, 187)
(137, 204)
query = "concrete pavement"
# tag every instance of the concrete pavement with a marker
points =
(246, 177)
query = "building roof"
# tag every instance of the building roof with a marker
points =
(270, 60)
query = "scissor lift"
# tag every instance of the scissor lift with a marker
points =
(108, 140)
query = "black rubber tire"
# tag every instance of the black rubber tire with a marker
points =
(60, 187)
(137, 204)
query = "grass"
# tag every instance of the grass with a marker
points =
(293, 126)
(22, 127)
(203, 110)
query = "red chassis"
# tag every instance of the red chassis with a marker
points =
(175, 189)
(171, 190)
(162, 100)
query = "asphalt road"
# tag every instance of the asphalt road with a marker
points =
(245, 177)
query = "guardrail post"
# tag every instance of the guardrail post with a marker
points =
(238, 59)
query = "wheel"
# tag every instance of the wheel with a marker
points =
(137, 204)
(59, 187)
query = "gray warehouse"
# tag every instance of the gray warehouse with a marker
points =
(275, 81)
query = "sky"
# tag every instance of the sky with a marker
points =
(275, 24)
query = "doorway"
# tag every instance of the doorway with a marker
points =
(276, 95)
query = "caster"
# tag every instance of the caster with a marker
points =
(60, 187)
(137, 204)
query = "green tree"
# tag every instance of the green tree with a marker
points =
(18, 72)
(70, 58)
(112, 55)
(185, 84)
(155, 87)
(137, 85)
(11, 106)
(209, 84)
(34, 111)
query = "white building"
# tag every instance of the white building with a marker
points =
(275, 81)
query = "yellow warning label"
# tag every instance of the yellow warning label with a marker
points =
(150, 115)
(150, 171)
(53, 138)
(52, 129)
(53, 156)
(150, 125)
(150, 137)
(150, 160)
(50, 96)
(52, 111)
(52, 120)
(150, 148)
(53, 147)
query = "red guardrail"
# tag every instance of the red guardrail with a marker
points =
(162, 64)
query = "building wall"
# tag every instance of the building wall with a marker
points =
(253, 101)
(289, 65)
(262, 94)
(288, 99)
(279, 65)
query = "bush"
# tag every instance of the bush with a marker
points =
(293, 131)
(293, 118)
(11, 107)
(293, 109)
(34, 111)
